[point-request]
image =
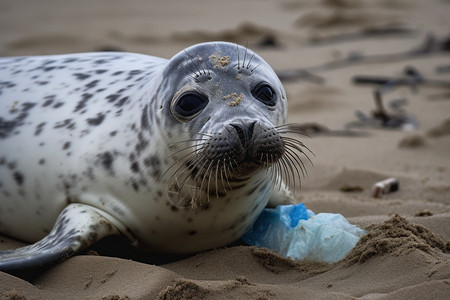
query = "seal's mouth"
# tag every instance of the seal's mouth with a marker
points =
(216, 163)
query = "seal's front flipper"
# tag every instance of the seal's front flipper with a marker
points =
(77, 227)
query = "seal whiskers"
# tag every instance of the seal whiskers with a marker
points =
(202, 166)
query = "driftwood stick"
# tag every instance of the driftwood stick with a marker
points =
(384, 80)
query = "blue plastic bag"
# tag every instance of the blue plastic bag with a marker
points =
(295, 232)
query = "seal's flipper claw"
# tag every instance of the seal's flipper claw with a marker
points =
(77, 227)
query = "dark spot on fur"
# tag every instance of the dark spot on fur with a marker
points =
(135, 72)
(96, 121)
(135, 167)
(48, 62)
(121, 102)
(6, 85)
(91, 84)
(18, 177)
(62, 124)
(42, 161)
(48, 100)
(144, 118)
(39, 128)
(106, 159)
(81, 76)
(82, 103)
(155, 163)
(27, 106)
(142, 144)
(47, 69)
(66, 145)
(192, 232)
(112, 98)
(117, 73)
(113, 133)
(70, 60)
(58, 105)
(100, 71)
(7, 127)
(101, 61)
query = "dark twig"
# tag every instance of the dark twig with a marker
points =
(384, 80)
(300, 74)
(365, 33)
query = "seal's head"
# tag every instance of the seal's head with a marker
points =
(225, 117)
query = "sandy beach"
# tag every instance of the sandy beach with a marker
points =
(317, 48)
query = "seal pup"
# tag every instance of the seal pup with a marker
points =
(178, 155)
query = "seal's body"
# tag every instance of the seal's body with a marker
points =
(178, 155)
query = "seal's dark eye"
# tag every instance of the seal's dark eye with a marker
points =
(190, 104)
(264, 93)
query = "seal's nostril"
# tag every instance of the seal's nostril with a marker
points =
(244, 131)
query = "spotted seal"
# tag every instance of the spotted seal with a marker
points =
(177, 155)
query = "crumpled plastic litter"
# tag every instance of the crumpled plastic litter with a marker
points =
(295, 232)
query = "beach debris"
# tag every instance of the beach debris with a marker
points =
(424, 213)
(298, 233)
(296, 74)
(390, 30)
(413, 80)
(431, 45)
(314, 128)
(412, 141)
(384, 187)
(349, 188)
(397, 117)
(269, 41)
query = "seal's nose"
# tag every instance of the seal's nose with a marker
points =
(244, 131)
